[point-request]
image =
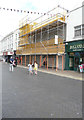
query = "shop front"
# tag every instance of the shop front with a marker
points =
(7, 55)
(74, 55)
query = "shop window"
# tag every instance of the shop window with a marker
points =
(76, 62)
(70, 62)
(82, 58)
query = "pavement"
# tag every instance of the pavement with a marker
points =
(66, 73)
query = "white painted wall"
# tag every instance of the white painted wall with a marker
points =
(0, 48)
(83, 12)
(74, 19)
(10, 42)
(15, 39)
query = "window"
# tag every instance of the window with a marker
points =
(77, 31)
(83, 29)
(16, 36)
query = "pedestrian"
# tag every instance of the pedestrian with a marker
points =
(6, 59)
(3, 59)
(81, 68)
(30, 67)
(44, 64)
(11, 64)
(16, 61)
(35, 67)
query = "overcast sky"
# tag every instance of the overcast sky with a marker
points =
(9, 20)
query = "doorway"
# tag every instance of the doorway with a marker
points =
(71, 63)
(76, 63)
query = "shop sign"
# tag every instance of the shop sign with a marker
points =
(10, 53)
(75, 46)
(5, 53)
(78, 47)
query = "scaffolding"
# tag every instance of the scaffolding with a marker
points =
(37, 37)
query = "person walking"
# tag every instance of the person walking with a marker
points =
(16, 61)
(11, 64)
(35, 67)
(30, 68)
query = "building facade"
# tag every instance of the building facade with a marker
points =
(9, 44)
(43, 40)
(75, 39)
(0, 48)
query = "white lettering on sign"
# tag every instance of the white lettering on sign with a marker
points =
(77, 46)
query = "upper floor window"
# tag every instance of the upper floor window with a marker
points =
(83, 29)
(77, 31)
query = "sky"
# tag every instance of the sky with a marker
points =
(9, 20)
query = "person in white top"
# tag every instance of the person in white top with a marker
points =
(30, 67)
